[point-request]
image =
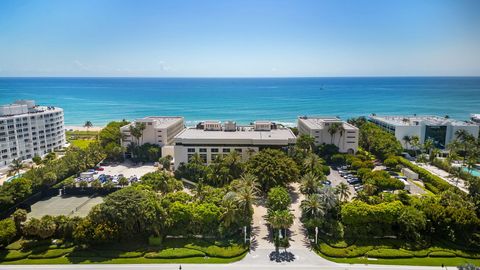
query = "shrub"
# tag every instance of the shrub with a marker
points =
(83, 253)
(388, 253)
(13, 255)
(52, 253)
(441, 253)
(7, 231)
(348, 252)
(154, 241)
(220, 252)
(174, 253)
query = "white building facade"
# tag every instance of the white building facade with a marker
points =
(210, 139)
(440, 129)
(159, 130)
(28, 130)
(321, 128)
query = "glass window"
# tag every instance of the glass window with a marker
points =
(226, 150)
(203, 150)
(191, 150)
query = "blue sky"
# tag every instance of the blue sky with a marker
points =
(239, 38)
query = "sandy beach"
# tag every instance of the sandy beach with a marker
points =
(81, 128)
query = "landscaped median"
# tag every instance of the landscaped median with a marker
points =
(392, 251)
(171, 251)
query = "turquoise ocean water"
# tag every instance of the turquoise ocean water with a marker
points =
(244, 100)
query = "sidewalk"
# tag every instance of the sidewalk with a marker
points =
(445, 176)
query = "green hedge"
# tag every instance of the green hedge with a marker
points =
(220, 252)
(348, 252)
(52, 253)
(175, 253)
(442, 253)
(119, 254)
(432, 182)
(13, 255)
(388, 253)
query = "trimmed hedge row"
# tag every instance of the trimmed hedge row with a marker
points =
(432, 182)
(52, 253)
(220, 252)
(392, 253)
(387, 253)
(175, 253)
(13, 255)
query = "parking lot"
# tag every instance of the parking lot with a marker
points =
(64, 205)
(114, 171)
(336, 179)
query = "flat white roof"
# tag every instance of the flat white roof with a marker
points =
(243, 135)
(158, 121)
(318, 122)
(406, 120)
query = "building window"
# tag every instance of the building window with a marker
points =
(238, 150)
(191, 150)
(214, 150)
(226, 150)
(203, 157)
(203, 150)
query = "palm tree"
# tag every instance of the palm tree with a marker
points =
(87, 125)
(309, 183)
(246, 197)
(415, 142)
(369, 189)
(465, 140)
(332, 130)
(407, 139)
(280, 219)
(328, 197)
(311, 162)
(313, 209)
(341, 130)
(343, 191)
(230, 213)
(15, 167)
(249, 180)
(428, 145)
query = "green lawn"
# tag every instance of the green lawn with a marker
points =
(427, 261)
(81, 143)
(171, 251)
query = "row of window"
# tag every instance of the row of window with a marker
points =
(213, 150)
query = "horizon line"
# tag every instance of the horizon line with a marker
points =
(237, 77)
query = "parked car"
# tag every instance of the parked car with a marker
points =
(327, 182)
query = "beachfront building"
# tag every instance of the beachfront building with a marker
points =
(28, 130)
(159, 130)
(210, 139)
(330, 130)
(440, 129)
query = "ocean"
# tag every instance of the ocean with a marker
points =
(101, 100)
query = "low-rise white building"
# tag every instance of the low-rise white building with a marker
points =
(330, 130)
(440, 129)
(210, 139)
(159, 130)
(28, 130)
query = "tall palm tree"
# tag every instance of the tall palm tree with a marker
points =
(341, 131)
(328, 197)
(15, 167)
(312, 208)
(311, 162)
(406, 139)
(230, 213)
(428, 145)
(246, 197)
(332, 130)
(280, 220)
(88, 125)
(415, 142)
(309, 183)
(250, 181)
(343, 191)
